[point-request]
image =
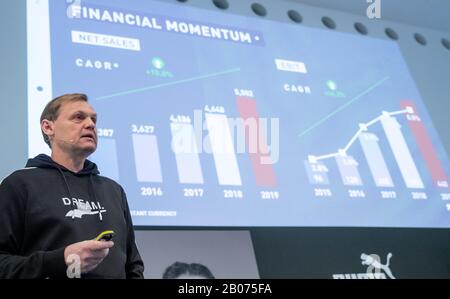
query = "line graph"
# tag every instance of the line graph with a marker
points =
(348, 166)
(362, 128)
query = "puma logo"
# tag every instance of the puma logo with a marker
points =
(374, 264)
(375, 269)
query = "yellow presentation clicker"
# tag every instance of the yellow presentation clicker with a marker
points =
(107, 235)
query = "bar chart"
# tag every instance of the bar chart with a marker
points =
(147, 161)
(219, 138)
(256, 142)
(394, 133)
(402, 154)
(185, 148)
(222, 147)
(375, 159)
(426, 146)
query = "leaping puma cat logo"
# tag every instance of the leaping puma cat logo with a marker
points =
(373, 261)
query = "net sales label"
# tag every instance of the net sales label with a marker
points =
(103, 40)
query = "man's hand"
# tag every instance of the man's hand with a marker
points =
(91, 253)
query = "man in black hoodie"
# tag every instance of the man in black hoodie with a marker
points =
(51, 211)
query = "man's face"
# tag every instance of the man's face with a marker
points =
(74, 131)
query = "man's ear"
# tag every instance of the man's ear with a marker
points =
(47, 126)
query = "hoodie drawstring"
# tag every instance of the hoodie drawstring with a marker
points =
(92, 191)
(89, 168)
(68, 191)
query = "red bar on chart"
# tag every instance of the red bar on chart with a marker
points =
(426, 146)
(256, 143)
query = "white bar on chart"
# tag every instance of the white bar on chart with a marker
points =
(401, 152)
(184, 145)
(375, 159)
(223, 149)
(348, 168)
(317, 172)
(106, 158)
(146, 154)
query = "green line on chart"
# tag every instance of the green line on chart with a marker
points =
(324, 119)
(127, 92)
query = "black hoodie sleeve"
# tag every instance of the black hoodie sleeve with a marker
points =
(40, 264)
(134, 267)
